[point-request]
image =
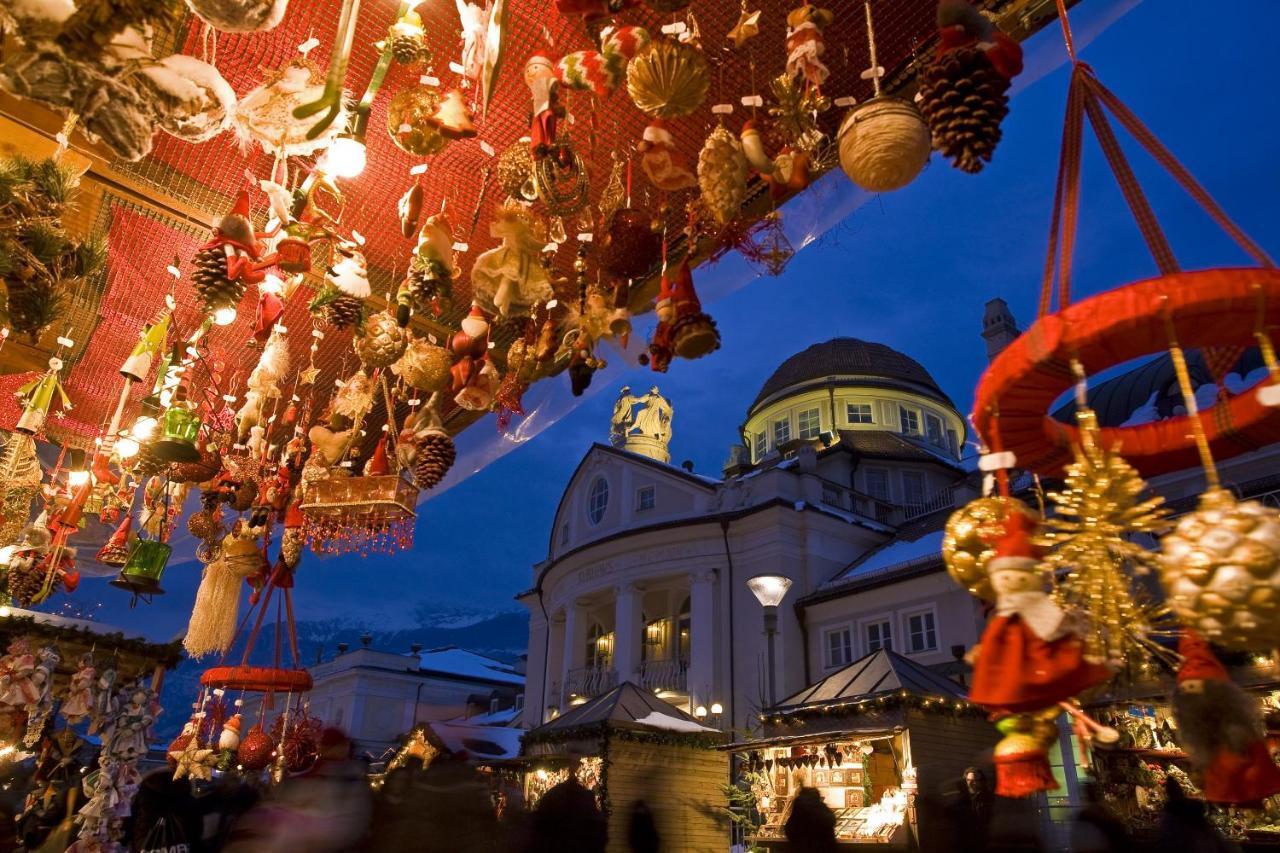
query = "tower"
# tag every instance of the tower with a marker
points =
(998, 326)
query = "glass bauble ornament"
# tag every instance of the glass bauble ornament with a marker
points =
(424, 366)
(515, 171)
(884, 144)
(1221, 569)
(968, 543)
(382, 342)
(409, 122)
(631, 246)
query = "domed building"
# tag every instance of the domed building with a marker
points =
(850, 452)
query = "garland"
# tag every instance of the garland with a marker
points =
(603, 731)
(853, 707)
(168, 654)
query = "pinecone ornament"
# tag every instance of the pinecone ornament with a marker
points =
(964, 99)
(722, 174)
(215, 289)
(427, 290)
(343, 312)
(408, 40)
(146, 463)
(436, 454)
(382, 343)
(25, 581)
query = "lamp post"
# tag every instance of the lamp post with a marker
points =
(769, 590)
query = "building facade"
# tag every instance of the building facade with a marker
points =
(848, 468)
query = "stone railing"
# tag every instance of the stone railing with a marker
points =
(665, 675)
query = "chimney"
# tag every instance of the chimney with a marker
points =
(366, 639)
(342, 649)
(998, 326)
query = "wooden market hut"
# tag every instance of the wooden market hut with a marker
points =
(915, 728)
(640, 748)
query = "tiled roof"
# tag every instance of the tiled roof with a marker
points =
(883, 444)
(850, 356)
(625, 705)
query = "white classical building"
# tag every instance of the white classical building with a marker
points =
(848, 469)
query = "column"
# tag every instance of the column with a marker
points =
(702, 640)
(627, 629)
(539, 673)
(575, 627)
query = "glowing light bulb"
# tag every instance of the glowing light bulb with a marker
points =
(6, 554)
(345, 158)
(126, 448)
(76, 479)
(717, 708)
(143, 428)
(224, 316)
(700, 711)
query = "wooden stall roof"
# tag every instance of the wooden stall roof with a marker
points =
(880, 672)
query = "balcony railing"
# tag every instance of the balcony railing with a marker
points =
(944, 498)
(590, 681)
(665, 675)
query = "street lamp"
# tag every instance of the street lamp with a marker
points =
(769, 590)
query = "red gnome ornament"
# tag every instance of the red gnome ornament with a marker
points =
(544, 88)
(1030, 658)
(473, 375)
(1220, 728)
(662, 162)
(230, 262)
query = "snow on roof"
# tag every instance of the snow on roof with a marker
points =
(482, 742)
(452, 660)
(657, 720)
(895, 553)
(498, 718)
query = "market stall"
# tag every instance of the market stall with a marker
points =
(629, 746)
(78, 702)
(871, 738)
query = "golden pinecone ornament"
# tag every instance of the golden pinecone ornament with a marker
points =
(1093, 554)
(515, 171)
(436, 454)
(382, 342)
(722, 174)
(967, 543)
(424, 366)
(668, 79)
(1220, 569)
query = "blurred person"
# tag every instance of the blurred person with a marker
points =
(967, 810)
(642, 829)
(811, 828)
(1095, 829)
(442, 808)
(568, 820)
(1185, 828)
(325, 810)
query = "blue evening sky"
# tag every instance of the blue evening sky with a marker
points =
(911, 269)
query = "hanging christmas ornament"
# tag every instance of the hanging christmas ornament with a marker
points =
(264, 385)
(769, 248)
(409, 209)
(142, 571)
(1221, 569)
(561, 179)
(346, 286)
(786, 174)
(266, 115)
(600, 72)
(884, 143)
(256, 750)
(668, 78)
(408, 39)
(428, 287)
(424, 366)
(115, 552)
(544, 90)
(509, 279)
(193, 101)
(747, 27)
(411, 120)
(662, 162)
(1102, 505)
(38, 396)
(630, 247)
(227, 264)
(216, 611)
(795, 111)
(964, 91)
(515, 171)
(433, 448)
(21, 473)
(239, 16)
(483, 44)
(381, 342)
(452, 116)
(1221, 730)
(806, 43)
(968, 543)
(1029, 660)
(722, 175)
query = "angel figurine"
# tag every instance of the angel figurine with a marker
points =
(77, 704)
(17, 688)
(127, 738)
(510, 279)
(104, 701)
(42, 681)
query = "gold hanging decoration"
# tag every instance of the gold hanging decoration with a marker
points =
(1093, 558)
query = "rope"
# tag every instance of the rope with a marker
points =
(1189, 400)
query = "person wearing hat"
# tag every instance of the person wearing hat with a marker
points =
(1029, 659)
(1221, 729)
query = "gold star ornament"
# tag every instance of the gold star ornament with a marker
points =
(747, 28)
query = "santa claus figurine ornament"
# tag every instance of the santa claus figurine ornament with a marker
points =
(1220, 728)
(1030, 659)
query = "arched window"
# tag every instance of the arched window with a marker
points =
(598, 500)
(684, 624)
